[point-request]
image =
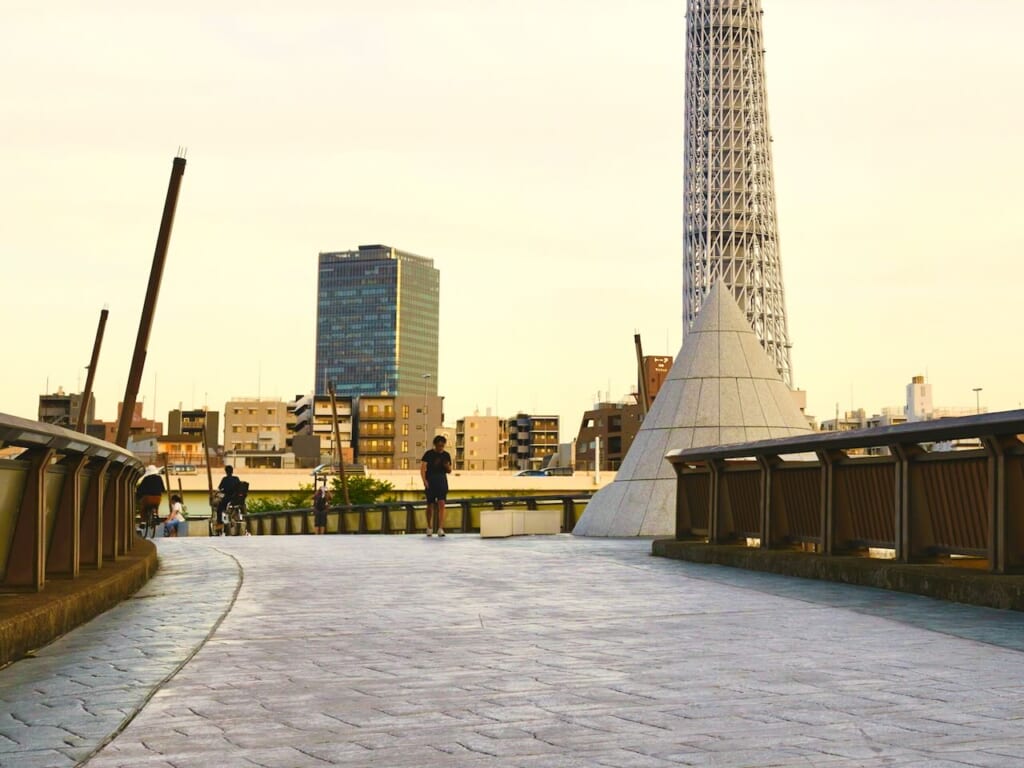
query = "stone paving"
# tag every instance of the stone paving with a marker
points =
(533, 652)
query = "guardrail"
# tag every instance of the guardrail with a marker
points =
(397, 517)
(67, 502)
(810, 492)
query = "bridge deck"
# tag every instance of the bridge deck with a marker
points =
(530, 652)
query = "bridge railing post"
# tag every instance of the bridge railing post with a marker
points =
(64, 556)
(26, 564)
(91, 527)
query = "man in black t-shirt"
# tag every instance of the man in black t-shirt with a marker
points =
(228, 488)
(434, 468)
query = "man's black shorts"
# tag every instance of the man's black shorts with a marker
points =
(437, 488)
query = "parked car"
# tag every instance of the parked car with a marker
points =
(531, 473)
(560, 471)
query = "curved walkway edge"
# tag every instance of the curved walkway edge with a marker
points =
(61, 704)
(29, 621)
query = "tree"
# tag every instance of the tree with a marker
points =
(361, 489)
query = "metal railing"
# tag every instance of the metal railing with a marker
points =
(67, 502)
(811, 492)
(397, 517)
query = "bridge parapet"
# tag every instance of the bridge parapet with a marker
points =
(812, 492)
(462, 515)
(67, 502)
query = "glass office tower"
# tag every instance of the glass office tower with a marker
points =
(377, 323)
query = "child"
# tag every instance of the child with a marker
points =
(175, 518)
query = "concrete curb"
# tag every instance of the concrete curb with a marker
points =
(956, 584)
(31, 620)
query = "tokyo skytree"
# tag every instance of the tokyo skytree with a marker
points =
(729, 224)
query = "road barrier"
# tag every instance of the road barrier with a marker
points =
(397, 517)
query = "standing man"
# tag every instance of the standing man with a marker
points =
(321, 500)
(434, 468)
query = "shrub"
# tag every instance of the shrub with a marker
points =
(300, 499)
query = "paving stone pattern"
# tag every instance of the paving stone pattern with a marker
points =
(534, 652)
(59, 706)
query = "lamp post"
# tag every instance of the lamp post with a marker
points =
(426, 378)
(977, 399)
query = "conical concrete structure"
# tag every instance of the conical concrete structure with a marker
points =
(722, 388)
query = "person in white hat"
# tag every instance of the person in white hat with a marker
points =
(150, 494)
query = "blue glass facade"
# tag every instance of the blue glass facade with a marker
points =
(377, 323)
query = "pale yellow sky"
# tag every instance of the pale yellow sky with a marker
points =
(534, 151)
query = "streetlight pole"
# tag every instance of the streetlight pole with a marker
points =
(977, 399)
(426, 378)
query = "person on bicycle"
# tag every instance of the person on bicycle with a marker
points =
(228, 488)
(150, 494)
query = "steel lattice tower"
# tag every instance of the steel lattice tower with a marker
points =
(729, 225)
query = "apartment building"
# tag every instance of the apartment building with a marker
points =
(394, 431)
(531, 440)
(605, 435)
(481, 443)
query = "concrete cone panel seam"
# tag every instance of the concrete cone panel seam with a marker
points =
(656, 446)
(734, 357)
(707, 411)
(661, 509)
(729, 410)
(686, 413)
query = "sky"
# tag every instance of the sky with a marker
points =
(533, 150)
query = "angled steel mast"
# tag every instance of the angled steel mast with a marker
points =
(729, 224)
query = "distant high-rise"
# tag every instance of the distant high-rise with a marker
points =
(377, 323)
(729, 225)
